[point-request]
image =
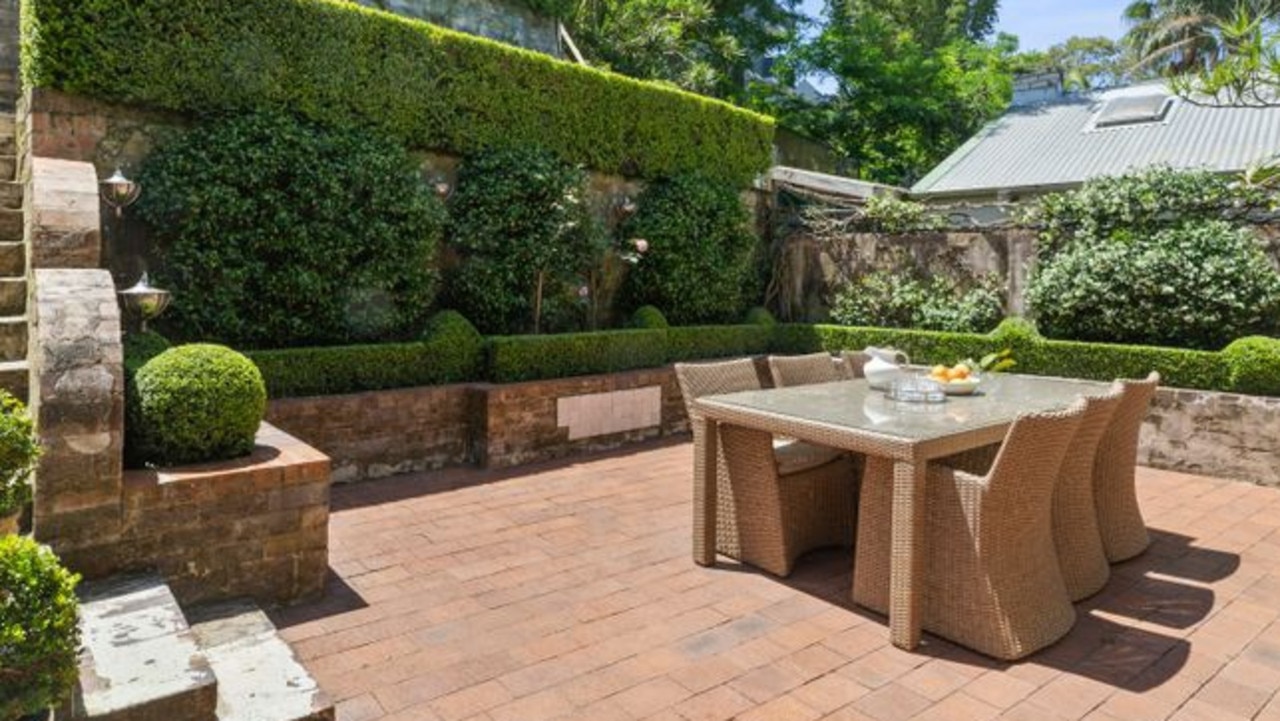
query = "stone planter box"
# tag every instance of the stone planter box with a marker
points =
(370, 435)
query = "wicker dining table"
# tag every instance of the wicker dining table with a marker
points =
(849, 415)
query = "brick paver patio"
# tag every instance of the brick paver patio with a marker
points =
(567, 591)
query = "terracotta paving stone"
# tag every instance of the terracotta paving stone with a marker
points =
(567, 591)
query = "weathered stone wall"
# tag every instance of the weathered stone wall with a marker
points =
(9, 55)
(63, 222)
(813, 270)
(1216, 434)
(372, 435)
(502, 20)
(77, 401)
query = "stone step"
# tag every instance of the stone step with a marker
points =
(259, 678)
(13, 378)
(13, 259)
(140, 660)
(11, 195)
(13, 338)
(8, 167)
(11, 225)
(13, 296)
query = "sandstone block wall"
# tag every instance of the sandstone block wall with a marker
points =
(77, 401)
(1216, 434)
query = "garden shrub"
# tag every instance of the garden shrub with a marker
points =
(454, 345)
(278, 232)
(760, 316)
(907, 299)
(700, 262)
(19, 451)
(691, 343)
(526, 237)
(1254, 365)
(1178, 367)
(647, 316)
(346, 65)
(192, 404)
(140, 348)
(39, 629)
(1196, 286)
(1139, 204)
(533, 357)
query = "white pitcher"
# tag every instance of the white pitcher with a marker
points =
(884, 367)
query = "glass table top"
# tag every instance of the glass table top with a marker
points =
(1000, 399)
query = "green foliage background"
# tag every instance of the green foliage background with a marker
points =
(39, 629)
(518, 216)
(346, 65)
(278, 232)
(700, 265)
(19, 451)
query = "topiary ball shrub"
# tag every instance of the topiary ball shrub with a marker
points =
(1200, 285)
(1254, 364)
(647, 316)
(142, 347)
(19, 451)
(39, 630)
(277, 233)
(700, 262)
(192, 404)
(760, 316)
(456, 346)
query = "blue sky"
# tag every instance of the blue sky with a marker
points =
(1041, 23)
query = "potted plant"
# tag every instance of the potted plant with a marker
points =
(39, 629)
(19, 451)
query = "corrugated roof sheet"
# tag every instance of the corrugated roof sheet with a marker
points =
(1057, 144)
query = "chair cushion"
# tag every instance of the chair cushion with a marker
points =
(796, 456)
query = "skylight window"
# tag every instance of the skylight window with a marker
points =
(1133, 110)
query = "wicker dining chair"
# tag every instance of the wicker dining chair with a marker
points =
(1124, 534)
(990, 573)
(1081, 557)
(804, 370)
(775, 501)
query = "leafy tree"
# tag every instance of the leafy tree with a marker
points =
(934, 23)
(902, 104)
(1086, 63)
(525, 235)
(704, 46)
(1180, 36)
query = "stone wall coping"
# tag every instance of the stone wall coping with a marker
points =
(275, 451)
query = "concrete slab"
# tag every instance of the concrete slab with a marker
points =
(140, 660)
(259, 678)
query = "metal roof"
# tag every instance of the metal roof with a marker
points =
(1057, 145)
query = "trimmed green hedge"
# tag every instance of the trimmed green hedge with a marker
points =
(1250, 365)
(702, 342)
(348, 65)
(534, 357)
(1093, 361)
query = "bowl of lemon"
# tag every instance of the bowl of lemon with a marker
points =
(957, 380)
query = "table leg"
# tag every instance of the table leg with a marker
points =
(907, 554)
(706, 438)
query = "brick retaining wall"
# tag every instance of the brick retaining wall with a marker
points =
(371, 435)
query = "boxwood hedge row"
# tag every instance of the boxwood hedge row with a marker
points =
(1250, 365)
(345, 64)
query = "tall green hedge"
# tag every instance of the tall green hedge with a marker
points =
(348, 65)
